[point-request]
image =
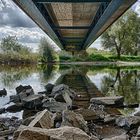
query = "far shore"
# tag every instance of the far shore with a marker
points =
(102, 63)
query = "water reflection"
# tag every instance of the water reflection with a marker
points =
(87, 81)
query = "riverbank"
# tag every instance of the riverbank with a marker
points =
(54, 113)
(103, 63)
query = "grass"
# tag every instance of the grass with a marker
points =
(99, 57)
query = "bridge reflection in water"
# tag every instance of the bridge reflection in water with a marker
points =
(81, 84)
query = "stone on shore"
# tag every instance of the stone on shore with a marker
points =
(69, 118)
(138, 133)
(54, 106)
(43, 120)
(2, 110)
(14, 98)
(62, 133)
(128, 122)
(49, 88)
(137, 114)
(121, 137)
(32, 101)
(24, 91)
(63, 93)
(3, 92)
(111, 100)
(87, 114)
(15, 108)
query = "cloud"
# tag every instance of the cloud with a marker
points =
(11, 15)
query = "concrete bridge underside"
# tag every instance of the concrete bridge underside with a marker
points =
(74, 24)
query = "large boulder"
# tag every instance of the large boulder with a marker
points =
(62, 133)
(32, 101)
(15, 108)
(54, 106)
(87, 114)
(69, 118)
(49, 88)
(42, 120)
(128, 122)
(109, 101)
(24, 91)
(63, 93)
(15, 98)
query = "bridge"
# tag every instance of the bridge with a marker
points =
(74, 24)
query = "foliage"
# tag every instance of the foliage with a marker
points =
(123, 37)
(46, 51)
(14, 52)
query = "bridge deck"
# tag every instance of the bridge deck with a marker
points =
(74, 24)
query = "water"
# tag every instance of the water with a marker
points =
(87, 81)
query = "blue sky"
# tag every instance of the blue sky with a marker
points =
(15, 22)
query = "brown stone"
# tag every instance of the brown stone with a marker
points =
(69, 118)
(87, 114)
(42, 120)
(62, 133)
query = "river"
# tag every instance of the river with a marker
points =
(87, 81)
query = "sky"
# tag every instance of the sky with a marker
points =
(14, 22)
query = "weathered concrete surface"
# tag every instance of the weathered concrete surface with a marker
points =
(111, 100)
(62, 133)
(69, 118)
(42, 120)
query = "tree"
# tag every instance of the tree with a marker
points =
(10, 44)
(123, 36)
(46, 51)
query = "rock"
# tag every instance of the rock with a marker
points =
(135, 138)
(49, 88)
(128, 122)
(43, 120)
(138, 133)
(3, 92)
(62, 133)
(69, 118)
(108, 131)
(57, 117)
(24, 91)
(54, 106)
(121, 137)
(32, 101)
(28, 120)
(7, 132)
(14, 98)
(109, 119)
(63, 93)
(15, 108)
(87, 114)
(109, 101)
(99, 109)
(2, 110)
(137, 113)
(21, 88)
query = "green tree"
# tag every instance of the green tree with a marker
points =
(10, 44)
(46, 51)
(123, 36)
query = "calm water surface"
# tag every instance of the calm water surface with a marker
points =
(87, 81)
